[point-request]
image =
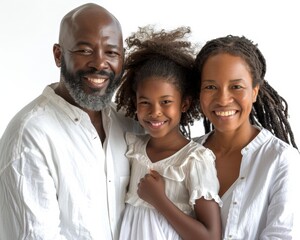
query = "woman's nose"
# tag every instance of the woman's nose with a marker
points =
(223, 97)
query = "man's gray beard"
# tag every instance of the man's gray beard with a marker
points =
(93, 101)
(89, 101)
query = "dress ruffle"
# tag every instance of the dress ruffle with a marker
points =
(206, 194)
(193, 166)
(189, 174)
(173, 171)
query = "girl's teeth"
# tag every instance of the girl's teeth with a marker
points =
(156, 124)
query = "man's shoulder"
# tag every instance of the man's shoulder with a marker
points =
(119, 118)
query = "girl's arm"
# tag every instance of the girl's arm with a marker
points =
(208, 223)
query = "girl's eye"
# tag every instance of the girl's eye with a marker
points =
(209, 87)
(143, 103)
(166, 101)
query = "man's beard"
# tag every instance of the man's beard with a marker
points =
(93, 101)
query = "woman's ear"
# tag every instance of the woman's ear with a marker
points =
(255, 93)
(57, 54)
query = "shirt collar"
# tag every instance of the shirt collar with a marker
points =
(75, 113)
(263, 136)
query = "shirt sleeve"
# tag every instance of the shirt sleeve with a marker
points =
(28, 199)
(202, 178)
(283, 210)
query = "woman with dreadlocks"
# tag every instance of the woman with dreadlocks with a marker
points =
(247, 129)
(173, 191)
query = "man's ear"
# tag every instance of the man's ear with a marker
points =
(57, 53)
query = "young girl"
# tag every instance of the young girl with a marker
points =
(173, 192)
(248, 131)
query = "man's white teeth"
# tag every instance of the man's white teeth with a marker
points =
(225, 114)
(96, 80)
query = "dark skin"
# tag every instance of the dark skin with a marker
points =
(228, 157)
(90, 38)
(161, 101)
(226, 98)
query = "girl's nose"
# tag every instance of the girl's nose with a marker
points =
(155, 112)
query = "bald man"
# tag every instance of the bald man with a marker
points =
(63, 172)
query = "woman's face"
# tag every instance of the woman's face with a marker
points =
(226, 94)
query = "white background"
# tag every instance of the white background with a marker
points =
(28, 30)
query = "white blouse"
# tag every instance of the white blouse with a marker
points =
(262, 203)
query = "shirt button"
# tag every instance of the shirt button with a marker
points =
(235, 203)
(76, 119)
(242, 178)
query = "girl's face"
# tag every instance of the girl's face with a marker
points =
(159, 106)
(226, 94)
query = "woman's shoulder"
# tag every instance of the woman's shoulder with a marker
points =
(201, 139)
(268, 142)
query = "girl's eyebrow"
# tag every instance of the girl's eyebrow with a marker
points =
(164, 96)
(233, 80)
(207, 80)
(142, 97)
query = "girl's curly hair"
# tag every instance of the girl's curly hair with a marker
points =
(166, 54)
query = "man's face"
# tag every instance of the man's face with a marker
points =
(92, 58)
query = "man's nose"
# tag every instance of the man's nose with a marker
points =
(98, 60)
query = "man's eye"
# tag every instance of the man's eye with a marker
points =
(84, 52)
(113, 53)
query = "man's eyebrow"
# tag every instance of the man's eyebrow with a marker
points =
(83, 43)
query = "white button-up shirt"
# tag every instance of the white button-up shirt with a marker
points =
(57, 181)
(262, 203)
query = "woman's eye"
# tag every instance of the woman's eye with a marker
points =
(237, 87)
(166, 101)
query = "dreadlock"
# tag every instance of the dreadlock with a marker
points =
(270, 109)
(164, 54)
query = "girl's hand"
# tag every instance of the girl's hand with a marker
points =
(151, 188)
